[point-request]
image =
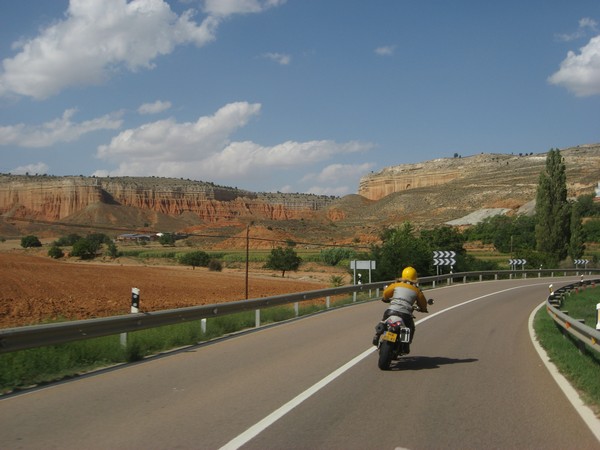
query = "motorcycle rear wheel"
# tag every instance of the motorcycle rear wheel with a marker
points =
(385, 355)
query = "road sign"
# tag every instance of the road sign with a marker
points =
(443, 254)
(581, 261)
(444, 262)
(517, 262)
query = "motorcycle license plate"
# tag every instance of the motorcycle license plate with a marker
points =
(389, 336)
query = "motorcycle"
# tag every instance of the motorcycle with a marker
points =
(394, 338)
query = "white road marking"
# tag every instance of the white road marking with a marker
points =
(257, 428)
(582, 409)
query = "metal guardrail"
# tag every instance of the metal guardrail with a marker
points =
(584, 334)
(21, 338)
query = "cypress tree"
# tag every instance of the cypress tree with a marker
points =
(552, 230)
(577, 242)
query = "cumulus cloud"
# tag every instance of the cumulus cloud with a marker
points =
(204, 150)
(334, 178)
(99, 37)
(580, 73)
(154, 108)
(279, 58)
(62, 129)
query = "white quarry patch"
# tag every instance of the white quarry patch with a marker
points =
(478, 216)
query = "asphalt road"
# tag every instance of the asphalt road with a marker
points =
(472, 381)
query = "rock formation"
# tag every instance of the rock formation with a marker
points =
(56, 198)
(515, 175)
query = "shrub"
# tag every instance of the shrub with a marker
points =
(55, 252)
(215, 265)
(85, 249)
(194, 259)
(30, 241)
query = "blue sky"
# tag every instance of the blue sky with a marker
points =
(290, 95)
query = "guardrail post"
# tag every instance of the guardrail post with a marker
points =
(135, 308)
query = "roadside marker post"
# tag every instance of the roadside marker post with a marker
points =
(135, 308)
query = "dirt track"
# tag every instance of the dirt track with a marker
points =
(35, 289)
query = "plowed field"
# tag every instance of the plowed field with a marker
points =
(36, 289)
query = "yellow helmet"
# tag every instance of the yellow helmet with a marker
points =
(409, 273)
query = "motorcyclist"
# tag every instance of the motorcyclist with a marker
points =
(402, 296)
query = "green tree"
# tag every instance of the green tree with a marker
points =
(332, 256)
(577, 241)
(588, 207)
(167, 239)
(283, 259)
(400, 248)
(112, 250)
(591, 229)
(195, 259)
(55, 252)
(85, 248)
(444, 238)
(30, 241)
(67, 240)
(552, 230)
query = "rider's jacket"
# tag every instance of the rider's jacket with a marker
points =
(402, 295)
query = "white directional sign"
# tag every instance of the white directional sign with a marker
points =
(517, 262)
(581, 261)
(444, 258)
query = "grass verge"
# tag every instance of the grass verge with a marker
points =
(582, 369)
(38, 366)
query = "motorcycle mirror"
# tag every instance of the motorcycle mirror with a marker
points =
(430, 301)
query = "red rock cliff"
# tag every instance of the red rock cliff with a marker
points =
(55, 198)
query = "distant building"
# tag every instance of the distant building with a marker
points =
(136, 237)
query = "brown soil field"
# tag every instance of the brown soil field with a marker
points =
(36, 289)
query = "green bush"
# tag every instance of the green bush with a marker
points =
(333, 256)
(194, 259)
(30, 241)
(55, 252)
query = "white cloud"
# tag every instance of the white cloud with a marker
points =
(204, 150)
(385, 50)
(279, 58)
(334, 178)
(154, 108)
(38, 168)
(580, 73)
(62, 129)
(586, 25)
(337, 172)
(225, 8)
(98, 37)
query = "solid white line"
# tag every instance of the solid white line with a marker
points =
(582, 409)
(257, 428)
